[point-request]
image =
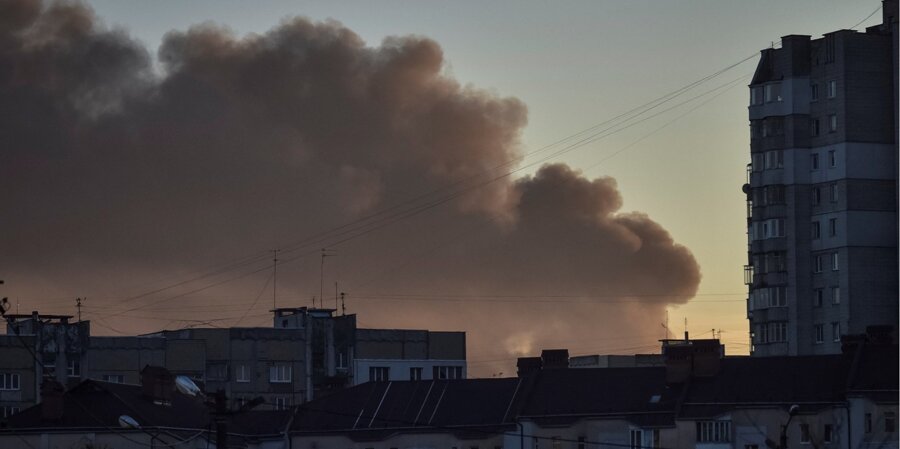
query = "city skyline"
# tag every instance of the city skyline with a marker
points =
(717, 243)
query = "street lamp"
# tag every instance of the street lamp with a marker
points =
(783, 439)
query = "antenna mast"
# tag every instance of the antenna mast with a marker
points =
(274, 277)
(78, 306)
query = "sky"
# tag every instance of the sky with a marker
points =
(160, 150)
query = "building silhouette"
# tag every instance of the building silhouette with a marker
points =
(822, 190)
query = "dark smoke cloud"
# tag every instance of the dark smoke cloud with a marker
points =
(113, 177)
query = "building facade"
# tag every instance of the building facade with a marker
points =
(822, 190)
(306, 354)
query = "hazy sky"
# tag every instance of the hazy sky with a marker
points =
(547, 70)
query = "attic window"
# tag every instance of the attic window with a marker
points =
(654, 399)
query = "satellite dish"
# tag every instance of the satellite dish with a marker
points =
(187, 386)
(127, 422)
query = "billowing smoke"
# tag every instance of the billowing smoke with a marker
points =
(116, 179)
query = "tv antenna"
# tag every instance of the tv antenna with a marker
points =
(78, 306)
(274, 277)
(325, 253)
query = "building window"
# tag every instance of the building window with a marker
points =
(804, 433)
(447, 372)
(814, 127)
(777, 332)
(832, 227)
(73, 368)
(890, 422)
(773, 92)
(114, 378)
(379, 373)
(814, 161)
(828, 433)
(834, 193)
(814, 92)
(818, 295)
(867, 422)
(820, 333)
(217, 371)
(9, 410)
(581, 444)
(832, 159)
(241, 373)
(832, 123)
(415, 373)
(836, 331)
(756, 161)
(713, 431)
(756, 95)
(282, 402)
(832, 88)
(816, 196)
(774, 159)
(341, 361)
(555, 443)
(817, 263)
(835, 295)
(637, 439)
(280, 374)
(816, 231)
(9, 381)
(835, 260)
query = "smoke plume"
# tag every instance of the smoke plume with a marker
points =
(117, 178)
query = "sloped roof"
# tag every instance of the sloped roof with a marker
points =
(638, 394)
(377, 406)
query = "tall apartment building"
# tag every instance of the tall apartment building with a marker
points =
(822, 190)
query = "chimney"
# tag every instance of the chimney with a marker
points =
(157, 384)
(528, 365)
(51, 400)
(692, 358)
(555, 358)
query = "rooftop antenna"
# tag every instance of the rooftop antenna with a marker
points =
(325, 253)
(78, 306)
(335, 296)
(274, 277)
(343, 306)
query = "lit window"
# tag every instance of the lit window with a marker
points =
(832, 88)
(820, 333)
(280, 374)
(836, 331)
(379, 373)
(832, 123)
